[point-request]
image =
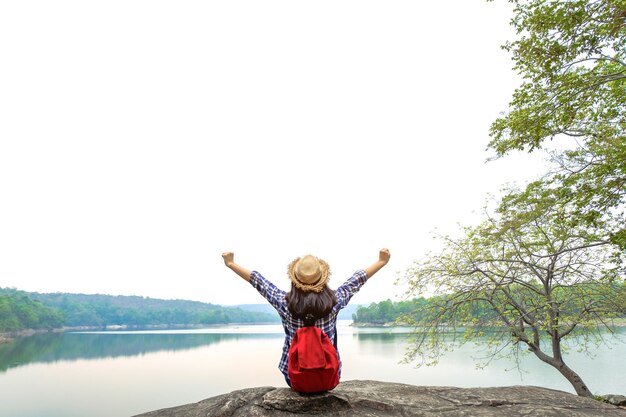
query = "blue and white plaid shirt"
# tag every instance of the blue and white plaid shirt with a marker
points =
(276, 297)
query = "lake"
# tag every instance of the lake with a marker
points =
(122, 373)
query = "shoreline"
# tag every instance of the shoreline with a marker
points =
(7, 337)
(616, 323)
(387, 324)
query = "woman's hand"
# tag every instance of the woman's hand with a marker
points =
(229, 258)
(229, 261)
(384, 255)
(383, 258)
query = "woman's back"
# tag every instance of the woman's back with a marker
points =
(310, 302)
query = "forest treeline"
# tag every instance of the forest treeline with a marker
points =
(387, 311)
(21, 310)
(18, 311)
(397, 312)
(418, 309)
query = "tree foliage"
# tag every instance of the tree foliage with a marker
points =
(21, 312)
(548, 263)
(388, 312)
(513, 282)
(572, 57)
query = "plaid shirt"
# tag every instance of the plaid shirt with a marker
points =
(328, 324)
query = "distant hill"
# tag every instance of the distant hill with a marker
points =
(21, 310)
(97, 310)
(344, 314)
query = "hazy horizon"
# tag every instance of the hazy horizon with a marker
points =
(263, 302)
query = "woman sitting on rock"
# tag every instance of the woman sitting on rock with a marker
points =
(310, 302)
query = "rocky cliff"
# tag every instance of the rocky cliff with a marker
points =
(374, 398)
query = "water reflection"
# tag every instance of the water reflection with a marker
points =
(53, 347)
(381, 337)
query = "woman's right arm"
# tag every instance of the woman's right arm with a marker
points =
(229, 261)
(274, 295)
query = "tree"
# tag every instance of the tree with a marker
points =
(534, 280)
(17, 312)
(572, 57)
(388, 312)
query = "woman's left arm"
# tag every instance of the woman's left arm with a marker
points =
(383, 258)
(345, 292)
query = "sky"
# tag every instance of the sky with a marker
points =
(139, 140)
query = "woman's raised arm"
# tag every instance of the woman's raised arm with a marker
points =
(383, 258)
(229, 261)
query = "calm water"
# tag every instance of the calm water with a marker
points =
(125, 373)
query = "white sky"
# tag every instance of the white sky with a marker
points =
(141, 139)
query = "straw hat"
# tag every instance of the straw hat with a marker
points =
(309, 273)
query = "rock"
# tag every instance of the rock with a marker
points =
(381, 399)
(619, 400)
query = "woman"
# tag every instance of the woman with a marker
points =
(310, 301)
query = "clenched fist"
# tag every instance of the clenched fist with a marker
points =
(229, 258)
(384, 255)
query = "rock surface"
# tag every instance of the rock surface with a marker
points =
(374, 398)
(615, 399)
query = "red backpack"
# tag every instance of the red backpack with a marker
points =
(312, 362)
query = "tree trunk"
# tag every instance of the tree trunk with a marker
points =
(574, 379)
(566, 371)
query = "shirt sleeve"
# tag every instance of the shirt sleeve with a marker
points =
(345, 292)
(274, 295)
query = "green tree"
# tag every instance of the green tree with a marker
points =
(572, 58)
(18, 311)
(8, 319)
(546, 267)
(386, 312)
(534, 282)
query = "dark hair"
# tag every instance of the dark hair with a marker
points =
(310, 306)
